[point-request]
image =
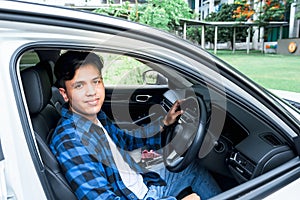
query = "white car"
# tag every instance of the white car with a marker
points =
(244, 135)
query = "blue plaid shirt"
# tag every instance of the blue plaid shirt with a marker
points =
(83, 152)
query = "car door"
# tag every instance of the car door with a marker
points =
(3, 192)
(133, 90)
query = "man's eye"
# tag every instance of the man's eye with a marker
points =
(78, 86)
(97, 82)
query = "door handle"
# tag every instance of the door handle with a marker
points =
(142, 98)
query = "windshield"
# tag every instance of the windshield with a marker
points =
(288, 101)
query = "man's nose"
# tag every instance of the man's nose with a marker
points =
(91, 90)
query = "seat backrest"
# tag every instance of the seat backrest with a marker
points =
(44, 118)
(56, 99)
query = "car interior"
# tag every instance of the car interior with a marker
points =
(235, 144)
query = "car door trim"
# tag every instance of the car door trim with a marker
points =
(142, 98)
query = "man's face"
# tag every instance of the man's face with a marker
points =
(85, 92)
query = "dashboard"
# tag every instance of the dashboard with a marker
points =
(243, 148)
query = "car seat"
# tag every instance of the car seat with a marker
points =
(56, 99)
(44, 117)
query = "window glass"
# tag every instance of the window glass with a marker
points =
(28, 59)
(122, 70)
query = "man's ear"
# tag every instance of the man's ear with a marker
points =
(63, 93)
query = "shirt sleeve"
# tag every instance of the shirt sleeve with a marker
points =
(84, 172)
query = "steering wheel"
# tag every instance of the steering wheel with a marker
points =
(185, 138)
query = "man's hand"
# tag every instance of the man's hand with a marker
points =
(173, 113)
(192, 196)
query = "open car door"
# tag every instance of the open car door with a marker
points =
(3, 191)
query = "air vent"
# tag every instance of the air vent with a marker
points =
(271, 139)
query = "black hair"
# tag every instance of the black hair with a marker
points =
(69, 62)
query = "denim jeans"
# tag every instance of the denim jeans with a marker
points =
(194, 175)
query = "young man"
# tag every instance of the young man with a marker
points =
(93, 153)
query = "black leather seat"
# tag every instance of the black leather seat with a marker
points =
(44, 117)
(56, 99)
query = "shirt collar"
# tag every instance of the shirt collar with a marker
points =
(77, 119)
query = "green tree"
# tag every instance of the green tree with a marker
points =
(165, 14)
(162, 14)
(272, 10)
(243, 11)
(227, 13)
(122, 11)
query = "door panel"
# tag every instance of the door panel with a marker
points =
(3, 192)
(134, 105)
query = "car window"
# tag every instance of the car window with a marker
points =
(29, 59)
(122, 70)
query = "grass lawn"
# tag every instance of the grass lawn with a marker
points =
(272, 71)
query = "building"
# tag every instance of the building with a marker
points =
(268, 35)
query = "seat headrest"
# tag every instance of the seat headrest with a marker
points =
(49, 66)
(37, 88)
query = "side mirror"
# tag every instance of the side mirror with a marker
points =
(152, 77)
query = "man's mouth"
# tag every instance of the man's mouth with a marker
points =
(93, 102)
